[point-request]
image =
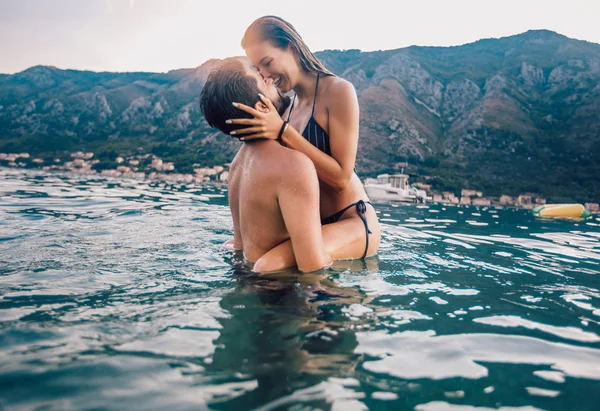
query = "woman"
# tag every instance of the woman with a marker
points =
(325, 108)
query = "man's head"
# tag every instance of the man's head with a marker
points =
(234, 81)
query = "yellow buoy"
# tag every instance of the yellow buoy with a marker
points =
(561, 211)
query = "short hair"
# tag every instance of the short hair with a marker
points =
(227, 83)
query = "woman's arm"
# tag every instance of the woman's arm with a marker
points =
(335, 170)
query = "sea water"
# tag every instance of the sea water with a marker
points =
(116, 294)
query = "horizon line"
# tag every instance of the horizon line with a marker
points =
(320, 51)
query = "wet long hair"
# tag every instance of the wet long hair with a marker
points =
(282, 34)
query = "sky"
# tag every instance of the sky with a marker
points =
(162, 35)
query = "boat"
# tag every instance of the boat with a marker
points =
(561, 211)
(393, 187)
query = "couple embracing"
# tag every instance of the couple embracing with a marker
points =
(294, 196)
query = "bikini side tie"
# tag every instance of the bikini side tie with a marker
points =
(361, 210)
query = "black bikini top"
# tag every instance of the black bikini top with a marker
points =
(313, 132)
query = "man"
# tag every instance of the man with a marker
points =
(273, 191)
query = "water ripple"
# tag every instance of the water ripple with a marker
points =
(117, 294)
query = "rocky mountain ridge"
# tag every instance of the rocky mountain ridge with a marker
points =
(514, 114)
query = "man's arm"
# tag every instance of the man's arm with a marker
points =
(298, 195)
(233, 196)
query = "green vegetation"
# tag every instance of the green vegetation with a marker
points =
(505, 116)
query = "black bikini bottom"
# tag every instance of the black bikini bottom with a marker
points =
(361, 210)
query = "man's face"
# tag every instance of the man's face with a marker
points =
(268, 89)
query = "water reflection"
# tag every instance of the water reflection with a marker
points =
(284, 337)
(115, 294)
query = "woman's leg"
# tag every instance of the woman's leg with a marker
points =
(345, 239)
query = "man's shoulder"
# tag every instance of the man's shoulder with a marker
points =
(237, 159)
(291, 160)
(295, 169)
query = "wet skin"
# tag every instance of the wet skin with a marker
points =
(337, 112)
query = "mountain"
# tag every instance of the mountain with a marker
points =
(44, 110)
(516, 114)
(508, 115)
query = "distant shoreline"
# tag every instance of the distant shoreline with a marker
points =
(159, 177)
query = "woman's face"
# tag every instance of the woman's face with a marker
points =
(266, 87)
(279, 65)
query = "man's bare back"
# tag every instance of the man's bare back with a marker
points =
(274, 196)
(273, 191)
